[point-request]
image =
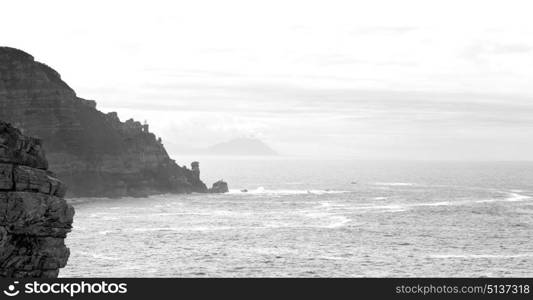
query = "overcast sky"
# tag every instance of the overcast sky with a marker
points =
(364, 79)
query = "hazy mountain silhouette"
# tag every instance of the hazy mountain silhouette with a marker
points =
(241, 146)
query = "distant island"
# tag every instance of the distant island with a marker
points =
(233, 147)
(241, 146)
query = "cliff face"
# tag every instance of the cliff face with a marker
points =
(34, 217)
(94, 153)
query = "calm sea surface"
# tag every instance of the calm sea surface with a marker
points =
(317, 218)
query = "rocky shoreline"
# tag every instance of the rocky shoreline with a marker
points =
(34, 216)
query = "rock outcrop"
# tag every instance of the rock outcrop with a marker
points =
(34, 217)
(219, 187)
(94, 153)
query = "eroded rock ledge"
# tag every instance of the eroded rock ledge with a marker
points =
(34, 217)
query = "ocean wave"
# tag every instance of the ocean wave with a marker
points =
(486, 201)
(388, 208)
(481, 256)
(399, 207)
(96, 255)
(441, 203)
(511, 197)
(517, 197)
(76, 201)
(394, 183)
(333, 205)
(185, 229)
(280, 192)
(328, 222)
(338, 221)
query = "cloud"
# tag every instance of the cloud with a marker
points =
(351, 121)
(370, 78)
(481, 51)
(510, 48)
(384, 30)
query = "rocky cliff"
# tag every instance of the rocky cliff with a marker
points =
(94, 153)
(34, 217)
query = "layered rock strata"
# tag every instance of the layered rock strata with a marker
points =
(34, 216)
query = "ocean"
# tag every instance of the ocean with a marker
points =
(317, 218)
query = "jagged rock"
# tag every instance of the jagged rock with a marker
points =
(6, 176)
(195, 169)
(30, 179)
(34, 218)
(94, 153)
(219, 187)
(19, 149)
(36, 214)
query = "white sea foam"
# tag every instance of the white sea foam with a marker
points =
(330, 222)
(481, 256)
(511, 197)
(442, 203)
(332, 257)
(517, 197)
(486, 201)
(96, 255)
(390, 207)
(331, 205)
(394, 183)
(261, 190)
(338, 221)
(185, 229)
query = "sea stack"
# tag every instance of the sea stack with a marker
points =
(219, 187)
(195, 168)
(94, 153)
(34, 216)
